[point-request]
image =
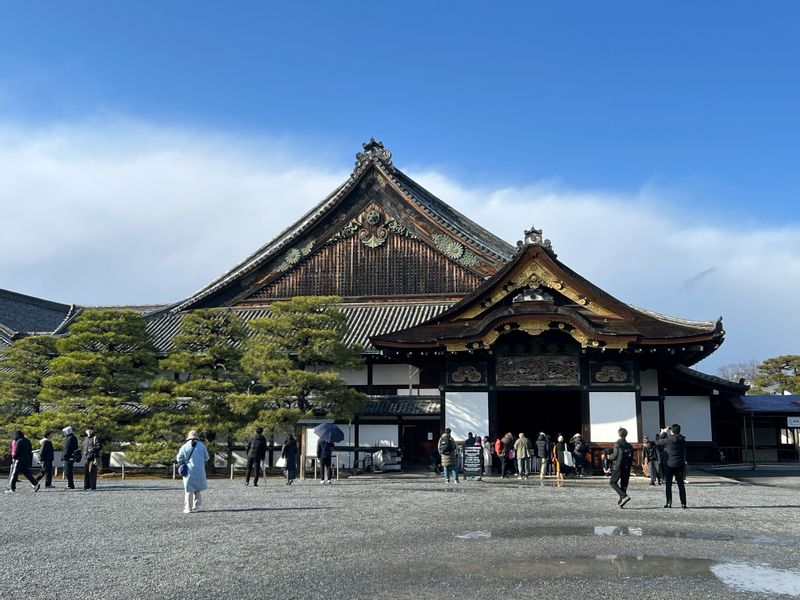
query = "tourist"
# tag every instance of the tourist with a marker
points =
(508, 453)
(652, 458)
(605, 464)
(194, 455)
(324, 457)
(621, 458)
(487, 456)
(68, 449)
(289, 454)
(579, 449)
(674, 446)
(447, 450)
(46, 456)
(21, 460)
(558, 456)
(470, 441)
(542, 453)
(522, 452)
(92, 457)
(256, 451)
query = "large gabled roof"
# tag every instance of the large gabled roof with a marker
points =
(22, 315)
(374, 158)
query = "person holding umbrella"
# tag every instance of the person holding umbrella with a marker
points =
(328, 434)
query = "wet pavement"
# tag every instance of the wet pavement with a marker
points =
(410, 537)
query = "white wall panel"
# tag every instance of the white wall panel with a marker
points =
(649, 381)
(692, 413)
(465, 412)
(651, 423)
(608, 411)
(378, 435)
(312, 439)
(394, 375)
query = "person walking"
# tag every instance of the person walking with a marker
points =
(542, 453)
(68, 449)
(256, 451)
(487, 456)
(621, 458)
(652, 457)
(579, 449)
(507, 442)
(21, 461)
(46, 456)
(522, 452)
(558, 455)
(91, 456)
(447, 450)
(325, 455)
(194, 455)
(674, 446)
(289, 454)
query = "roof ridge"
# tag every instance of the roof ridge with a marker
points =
(18, 297)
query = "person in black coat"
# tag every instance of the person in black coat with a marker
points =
(325, 454)
(621, 458)
(673, 445)
(256, 451)
(542, 453)
(46, 456)
(652, 455)
(92, 456)
(22, 458)
(68, 450)
(289, 452)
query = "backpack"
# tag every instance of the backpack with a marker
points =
(626, 456)
(445, 445)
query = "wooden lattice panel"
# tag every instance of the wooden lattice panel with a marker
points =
(399, 267)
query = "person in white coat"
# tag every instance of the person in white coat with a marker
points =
(194, 455)
(487, 456)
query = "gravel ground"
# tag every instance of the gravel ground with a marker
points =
(404, 538)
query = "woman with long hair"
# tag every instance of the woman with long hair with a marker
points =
(289, 454)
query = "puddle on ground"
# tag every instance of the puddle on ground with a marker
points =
(761, 579)
(475, 535)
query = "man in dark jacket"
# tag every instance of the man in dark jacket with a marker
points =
(652, 456)
(22, 458)
(324, 455)
(542, 453)
(92, 456)
(674, 446)
(621, 458)
(68, 449)
(46, 456)
(256, 451)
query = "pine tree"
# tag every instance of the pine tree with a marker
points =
(24, 366)
(778, 375)
(103, 366)
(206, 363)
(294, 359)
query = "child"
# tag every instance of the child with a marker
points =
(606, 464)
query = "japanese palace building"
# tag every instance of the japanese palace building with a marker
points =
(462, 329)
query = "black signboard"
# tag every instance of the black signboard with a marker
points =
(473, 461)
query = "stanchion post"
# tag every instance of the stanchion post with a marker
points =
(123, 470)
(174, 470)
(231, 471)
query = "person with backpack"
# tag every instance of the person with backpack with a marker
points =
(673, 445)
(46, 455)
(256, 451)
(92, 456)
(621, 458)
(447, 450)
(579, 449)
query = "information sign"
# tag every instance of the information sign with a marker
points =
(473, 461)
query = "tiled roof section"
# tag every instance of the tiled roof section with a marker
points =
(374, 156)
(402, 405)
(767, 404)
(364, 320)
(710, 380)
(26, 314)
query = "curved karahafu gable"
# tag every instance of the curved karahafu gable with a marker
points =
(535, 293)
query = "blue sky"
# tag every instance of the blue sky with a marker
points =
(664, 132)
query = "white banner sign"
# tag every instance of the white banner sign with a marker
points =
(793, 422)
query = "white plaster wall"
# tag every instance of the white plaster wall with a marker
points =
(394, 375)
(649, 382)
(692, 413)
(378, 435)
(311, 439)
(350, 376)
(651, 424)
(608, 411)
(418, 391)
(465, 412)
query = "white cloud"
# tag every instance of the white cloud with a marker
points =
(114, 211)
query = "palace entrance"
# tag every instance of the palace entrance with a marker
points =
(534, 411)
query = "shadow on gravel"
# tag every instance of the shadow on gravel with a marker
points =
(267, 509)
